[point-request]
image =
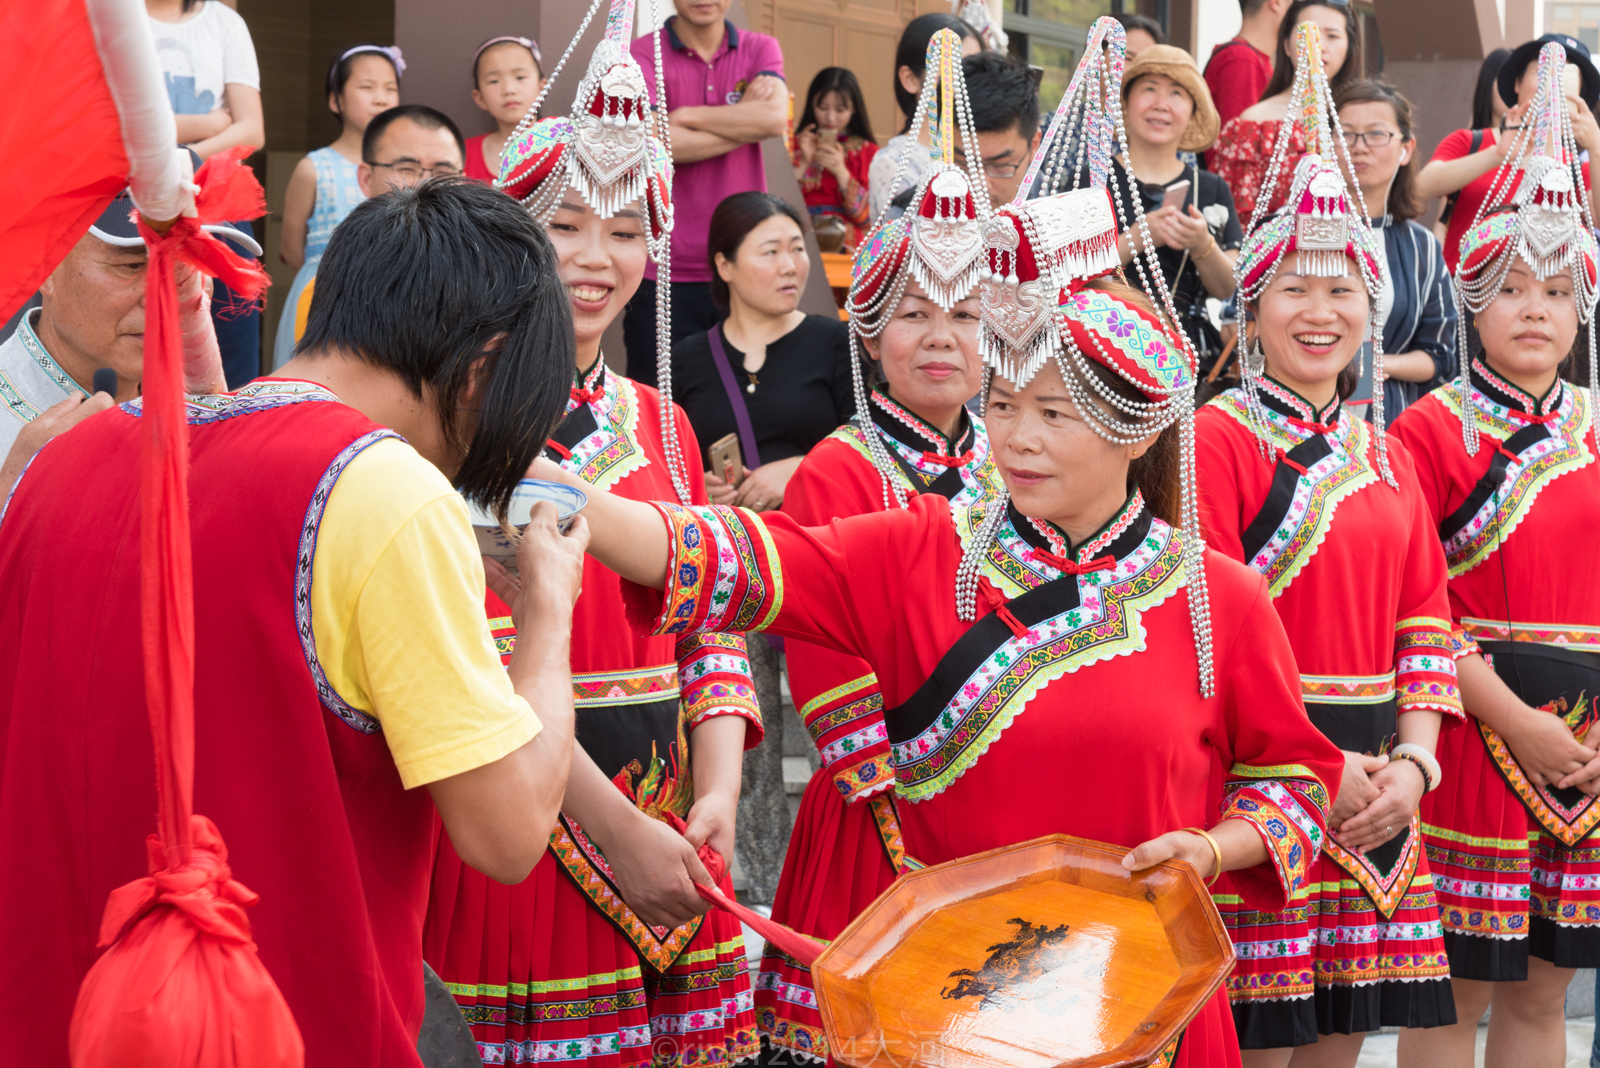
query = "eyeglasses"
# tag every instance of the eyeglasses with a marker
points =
(1372, 138)
(410, 171)
(994, 170)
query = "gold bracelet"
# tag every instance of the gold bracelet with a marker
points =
(1215, 848)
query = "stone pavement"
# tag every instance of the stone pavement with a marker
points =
(1379, 1050)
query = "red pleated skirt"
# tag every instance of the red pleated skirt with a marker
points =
(1507, 887)
(835, 868)
(541, 975)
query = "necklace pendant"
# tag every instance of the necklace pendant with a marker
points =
(751, 388)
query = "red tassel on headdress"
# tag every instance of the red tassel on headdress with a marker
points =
(181, 985)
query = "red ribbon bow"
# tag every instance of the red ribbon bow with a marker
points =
(1068, 566)
(948, 461)
(584, 396)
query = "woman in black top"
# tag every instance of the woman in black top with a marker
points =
(791, 370)
(1168, 108)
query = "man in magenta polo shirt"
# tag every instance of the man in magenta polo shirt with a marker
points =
(725, 95)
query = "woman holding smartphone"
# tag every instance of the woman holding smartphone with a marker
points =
(1168, 109)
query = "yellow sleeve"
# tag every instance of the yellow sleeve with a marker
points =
(398, 621)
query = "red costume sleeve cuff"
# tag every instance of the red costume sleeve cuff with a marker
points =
(1288, 807)
(722, 574)
(1425, 668)
(714, 671)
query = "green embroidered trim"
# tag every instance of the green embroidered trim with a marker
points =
(552, 986)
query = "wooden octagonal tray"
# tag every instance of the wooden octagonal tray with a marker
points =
(1039, 955)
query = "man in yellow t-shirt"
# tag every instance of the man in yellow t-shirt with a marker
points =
(342, 654)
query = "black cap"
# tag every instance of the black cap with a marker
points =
(1528, 52)
(115, 226)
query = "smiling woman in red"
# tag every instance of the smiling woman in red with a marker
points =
(602, 955)
(1330, 513)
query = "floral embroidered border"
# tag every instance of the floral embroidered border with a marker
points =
(1567, 450)
(1105, 624)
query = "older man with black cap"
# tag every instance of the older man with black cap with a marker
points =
(91, 319)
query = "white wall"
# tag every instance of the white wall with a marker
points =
(1215, 21)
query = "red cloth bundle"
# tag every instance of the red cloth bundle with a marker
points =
(181, 985)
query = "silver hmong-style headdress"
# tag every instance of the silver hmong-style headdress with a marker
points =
(1037, 307)
(615, 149)
(938, 241)
(1324, 223)
(1549, 225)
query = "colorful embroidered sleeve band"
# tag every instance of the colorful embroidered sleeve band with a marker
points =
(1425, 667)
(846, 724)
(1288, 807)
(722, 575)
(714, 671)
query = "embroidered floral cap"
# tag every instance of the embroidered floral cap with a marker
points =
(1325, 228)
(1126, 338)
(614, 149)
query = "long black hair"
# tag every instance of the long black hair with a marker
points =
(731, 223)
(1354, 68)
(1484, 94)
(913, 52)
(452, 285)
(842, 81)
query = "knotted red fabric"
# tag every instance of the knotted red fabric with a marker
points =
(1068, 566)
(181, 985)
(997, 603)
(802, 948)
(947, 461)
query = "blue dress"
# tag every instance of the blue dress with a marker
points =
(338, 193)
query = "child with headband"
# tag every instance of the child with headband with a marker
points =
(507, 74)
(362, 82)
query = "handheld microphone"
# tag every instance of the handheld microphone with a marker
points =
(105, 381)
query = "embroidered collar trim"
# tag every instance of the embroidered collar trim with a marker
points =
(613, 450)
(901, 420)
(41, 356)
(1504, 394)
(1281, 400)
(1119, 537)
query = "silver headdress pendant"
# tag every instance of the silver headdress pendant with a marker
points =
(1038, 255)
(615, 149)
(1324, 224)
(1550, 226)
(938, 242)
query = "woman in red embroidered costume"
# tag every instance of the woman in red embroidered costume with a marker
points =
(602, 954)
(1506, 459)
(833, 150)
(845, 849)
(1249, 143)
(1031, 624)
(1317, 502)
